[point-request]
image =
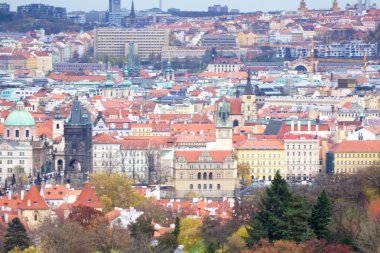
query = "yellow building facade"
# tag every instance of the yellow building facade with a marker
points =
(353, 156)
(264, 157)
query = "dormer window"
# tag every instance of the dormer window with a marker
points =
(35, 203)
(89, 200)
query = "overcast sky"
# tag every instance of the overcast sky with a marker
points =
(243, 5)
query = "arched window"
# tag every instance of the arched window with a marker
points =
(236, 123)
(205, 186)
(205, 175)
(210, 186)
(35, 217)
(210, 176)
(199, 175)
(191, 186)
(199, 186)
(57, 126)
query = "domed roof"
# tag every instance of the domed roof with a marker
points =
(20, 117)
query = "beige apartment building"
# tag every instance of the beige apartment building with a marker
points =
(114, 42)
(205, 173)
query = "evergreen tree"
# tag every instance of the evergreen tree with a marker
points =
(321, 216)
(270, 221)
(177, 228)
(211, 248)
(297, 215)
(142, 228)
(15, 236)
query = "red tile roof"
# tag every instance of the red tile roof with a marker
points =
(87, 198)
(33, 200)
(357, 146)
(193, 156)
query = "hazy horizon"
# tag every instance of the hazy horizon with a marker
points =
(199, 5)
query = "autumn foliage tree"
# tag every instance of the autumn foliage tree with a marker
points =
(114, 190)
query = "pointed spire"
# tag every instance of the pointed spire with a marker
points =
(248, 88)
(133, 13)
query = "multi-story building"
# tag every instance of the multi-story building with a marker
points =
(205, 173)
(42, 11)
(181, 53)
(133, 157)
(218, 9)
(350, 157)
(114, 6)
(218, 40)
(113, 42)
(225, 65)
(4, 7)
(301, 156)
(78, 67)
(265, 157)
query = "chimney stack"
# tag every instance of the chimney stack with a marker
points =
(22, 194)
(28, 203)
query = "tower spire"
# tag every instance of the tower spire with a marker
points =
(133, 13)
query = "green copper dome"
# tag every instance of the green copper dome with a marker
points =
(20, 118)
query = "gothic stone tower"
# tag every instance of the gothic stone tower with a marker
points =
(78, 144)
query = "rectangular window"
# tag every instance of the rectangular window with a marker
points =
(17, 133)
(218, 187)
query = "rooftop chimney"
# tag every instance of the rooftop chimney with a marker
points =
(28, 203)
(22, 194)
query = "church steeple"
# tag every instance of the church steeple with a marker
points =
(133, 13)
(248, 88)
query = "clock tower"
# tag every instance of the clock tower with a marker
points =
(223, 126)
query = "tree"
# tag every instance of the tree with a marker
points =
(142, 228)
(211, 248)
(297, 215)
(177, 228)
(243, 172)
(278, 247)
(216, 232)
(15, 236)
(28, 250)
(114, 190)
(167, 243)
(84, 216)
(64, 237)
(270, 221)
(321, 216)
(189, 233)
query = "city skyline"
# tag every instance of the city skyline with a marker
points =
(199, 5)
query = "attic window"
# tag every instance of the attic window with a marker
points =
(48, 193)
(89, 200)
(60, 193)
(35, 203)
